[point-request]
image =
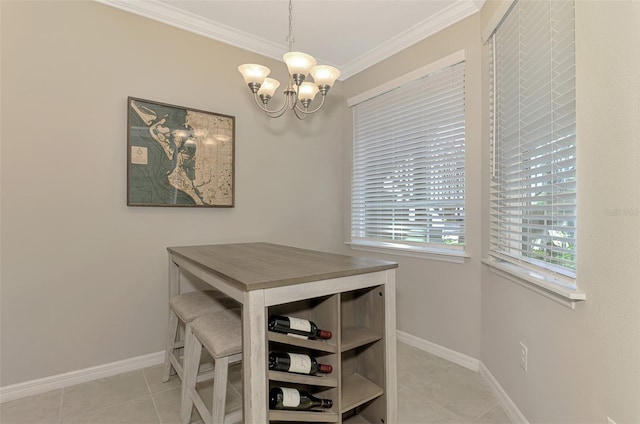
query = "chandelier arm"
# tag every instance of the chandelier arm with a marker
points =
(252, 73)
(300, 117)
(276, 115)
(309, 112)
(272, 113)
(296, 90)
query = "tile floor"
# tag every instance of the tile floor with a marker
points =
(430, 390)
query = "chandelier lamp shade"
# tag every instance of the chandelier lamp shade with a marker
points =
(299, 92)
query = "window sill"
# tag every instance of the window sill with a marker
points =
(538, 283)
(444, 255)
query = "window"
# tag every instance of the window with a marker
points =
(533, 187)
(408, 185)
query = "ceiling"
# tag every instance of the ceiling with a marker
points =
(348, 34)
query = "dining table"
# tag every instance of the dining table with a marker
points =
(263, 277)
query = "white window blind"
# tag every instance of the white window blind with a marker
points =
(533, 189)
(408, 186)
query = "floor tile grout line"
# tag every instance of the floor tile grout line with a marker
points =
(161, 391)
(462, 419)
(476, 419)
(130, 400)
(61, 404)
(494, 409)
(467, 420)
(153, 401)
(135, 398)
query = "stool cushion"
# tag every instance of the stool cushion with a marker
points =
(220, 332)
(189, 306)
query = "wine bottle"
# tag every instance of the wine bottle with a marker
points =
(289, 398)
(297, 363)
(297, 327)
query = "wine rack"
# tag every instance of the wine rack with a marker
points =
(356, 352)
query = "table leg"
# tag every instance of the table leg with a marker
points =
(173, 327)
(254, 357)
(390, 341)
(174, 278)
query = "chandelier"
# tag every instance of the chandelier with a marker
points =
(299, 93)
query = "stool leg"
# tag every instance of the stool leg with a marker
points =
(171, 342)
(220, 390)
(191, 362)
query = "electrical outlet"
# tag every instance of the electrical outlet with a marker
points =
(524, 353)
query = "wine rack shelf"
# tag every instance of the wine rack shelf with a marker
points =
(356, 419)
(319, 345)
(304, 416)
(354, 336)
(356, 351)
(310, 380)
(357, 390)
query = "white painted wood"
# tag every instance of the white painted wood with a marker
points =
(435, 349)
(507, 404)
(193, 350)
(220, 390)
(391, 388)
(473, 364)
(190, 396)
(538, 283)
(209, 278)
(496, 18)
(279, 295)
(450, 60)
(60, 381)
(174, 277)
(206, 23)
(169, 355)
(254, 342)
(451, 256)
(262, 274)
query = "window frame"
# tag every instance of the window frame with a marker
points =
(541, 278)
(441, 252)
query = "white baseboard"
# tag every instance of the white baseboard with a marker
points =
(42, 385)
(509, 407)
(435, 349)
(473, 364)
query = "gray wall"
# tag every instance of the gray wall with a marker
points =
(438, 301)
(584, 364)
(84, 277)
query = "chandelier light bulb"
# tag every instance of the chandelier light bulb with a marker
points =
(298, 94)
(267, 89)
(253, 74)
(299, 64)
(307, 91)
(324, 76)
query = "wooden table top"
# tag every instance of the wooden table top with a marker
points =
(253, 266)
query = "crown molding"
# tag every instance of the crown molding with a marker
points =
(187, 21)
(445, 18)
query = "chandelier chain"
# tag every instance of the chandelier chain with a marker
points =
(290, 37)
(300, 91)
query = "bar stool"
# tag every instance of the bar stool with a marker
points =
(220, 333)
(184, 308)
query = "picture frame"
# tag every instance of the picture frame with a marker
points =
(179, 156)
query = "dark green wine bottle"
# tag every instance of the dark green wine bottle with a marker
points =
(294, 399)
(297, 327)
(297, 363)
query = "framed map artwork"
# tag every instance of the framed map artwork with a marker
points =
(178, 156)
